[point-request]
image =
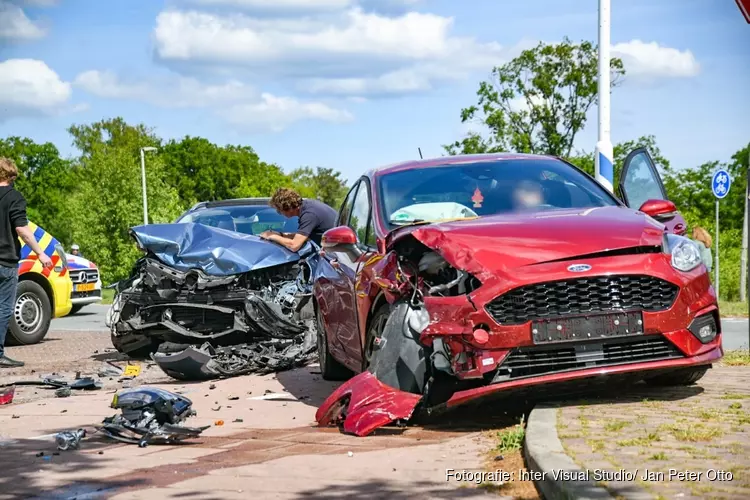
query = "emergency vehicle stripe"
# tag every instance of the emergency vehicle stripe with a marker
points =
(45, 241)
(39, 233)
(25, 266)
(47, 270)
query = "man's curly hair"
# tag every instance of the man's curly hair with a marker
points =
(285, 199)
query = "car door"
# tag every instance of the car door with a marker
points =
(331, 282)
(640, 181)
(360, 220)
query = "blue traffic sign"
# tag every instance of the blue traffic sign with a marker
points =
(720, 183)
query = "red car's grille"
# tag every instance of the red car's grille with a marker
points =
(545, 360)
(555, 299)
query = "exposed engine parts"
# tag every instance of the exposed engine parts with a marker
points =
(150, 415)
(207, 362)
(213, 303)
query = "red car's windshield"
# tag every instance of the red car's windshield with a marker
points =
(477, 189)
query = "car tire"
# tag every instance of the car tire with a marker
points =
(400, 361)
(75, 309)
(682, 376)
(374, 331)
(32, 313)
(330, 368)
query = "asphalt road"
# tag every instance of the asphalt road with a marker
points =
(91, 318)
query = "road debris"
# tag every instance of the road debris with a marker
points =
(63, 392)
(275, 396)
(150, 415)
(69, 440)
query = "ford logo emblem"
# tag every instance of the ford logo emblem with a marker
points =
(579, 268)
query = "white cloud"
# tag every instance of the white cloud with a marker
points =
(303, 6)
(277, 113)
(29, 86)
(15, 25)
(354, 53)
(233, 101)
(651, 60)
(165, 92)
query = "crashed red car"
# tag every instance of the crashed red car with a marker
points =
(461, 277)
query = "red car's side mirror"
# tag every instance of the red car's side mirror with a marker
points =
(341, 239)
(658, 208)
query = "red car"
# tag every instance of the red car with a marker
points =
(464, 276)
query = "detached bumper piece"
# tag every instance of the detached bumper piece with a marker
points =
(150, 415)
(207, 362)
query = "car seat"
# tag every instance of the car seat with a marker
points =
(556, 194)
(226, 223)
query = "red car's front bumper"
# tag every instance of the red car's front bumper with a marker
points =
(665, 343)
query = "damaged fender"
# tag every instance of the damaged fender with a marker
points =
(394, 384)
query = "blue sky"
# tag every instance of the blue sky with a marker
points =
(352, 84)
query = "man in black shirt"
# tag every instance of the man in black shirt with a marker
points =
(315, 218)
(13, 224)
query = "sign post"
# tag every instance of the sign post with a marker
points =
(720, 184)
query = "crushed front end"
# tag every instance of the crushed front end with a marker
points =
(468, 326)
(213, 303)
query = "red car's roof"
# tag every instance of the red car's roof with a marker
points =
(452, 160)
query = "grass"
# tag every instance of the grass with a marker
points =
(510, 439)
(659, 456)
(731, 395)
(733, 309)
(640, 441)
(693, 433)
(108, 295)
(616, 425)
(739, 357)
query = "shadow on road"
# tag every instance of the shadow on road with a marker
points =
(379, 489)
(25, 462)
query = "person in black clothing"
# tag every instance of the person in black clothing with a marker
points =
(13, 224)
(315, 218)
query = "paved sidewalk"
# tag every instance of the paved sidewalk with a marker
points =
(264, 448)
(702, 429)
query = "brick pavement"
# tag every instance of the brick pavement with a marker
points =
(700, 428)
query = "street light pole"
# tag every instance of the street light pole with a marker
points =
(743, 256)
(143, 181)
(604, 153)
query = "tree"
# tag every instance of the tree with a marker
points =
(537, 102)
(203, 171)
(45, 179)
(107, 204)
(112, 132)
(585, 161)
(325, 184)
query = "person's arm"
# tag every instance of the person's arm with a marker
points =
(19, 220)
(294, 243)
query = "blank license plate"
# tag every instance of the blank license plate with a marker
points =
(587, 327)
(85, 287)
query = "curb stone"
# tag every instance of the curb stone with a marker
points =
(544, 453)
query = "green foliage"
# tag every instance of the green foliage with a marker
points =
(95, 199)
(45, 180)
(203, 171)
(108, 202)
(585, 161)
(325, 184)
(537, 102)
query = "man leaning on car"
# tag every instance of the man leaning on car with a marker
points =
(13, 224)
(315, 218)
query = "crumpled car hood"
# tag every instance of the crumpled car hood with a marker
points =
(216, 252)
(491, 246)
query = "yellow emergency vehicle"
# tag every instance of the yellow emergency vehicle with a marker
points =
(42, 294)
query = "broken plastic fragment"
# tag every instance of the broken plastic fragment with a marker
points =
(363, 404)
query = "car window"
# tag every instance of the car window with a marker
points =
(346, 207)
(484, 188)
(641, 182)
(371, 240)
(361, 213)
(243, 219)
